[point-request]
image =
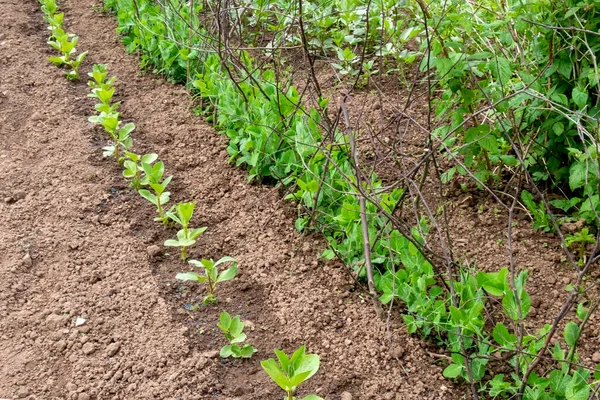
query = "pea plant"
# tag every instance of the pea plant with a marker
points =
(292, 371)
(233, 329)
(210, 275)
(186, 237)
(154, 173)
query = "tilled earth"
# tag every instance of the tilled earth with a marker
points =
(89, 307)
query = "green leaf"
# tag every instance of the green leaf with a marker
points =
(453, 371)
(571, 333)
(148, 196)
(283, 359)
(236, 326)
(190, 276)
(580, 97)
(299, 377)
(312, 397)
(503, 337)
(501, 69)
(225, 320)
(577, 175)
(228, 274)
(247, 351)
(272, 369)
(226, 351)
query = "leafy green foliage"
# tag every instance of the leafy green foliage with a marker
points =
(154, 173)
(133, 168)
(186, 237)
(500, 81)
(580, 239)
(62, 41)
(233, 329)
(290, 372)
(210, 275)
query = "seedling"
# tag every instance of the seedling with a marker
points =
(65, 43)
(160, 197)
(233, 329)
(291, 372)
(49, 7)
(133, 168)
(120, 136)
(582, 238)
(185, 237)
(99, 74)
(210, 275)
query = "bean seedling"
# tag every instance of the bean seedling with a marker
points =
(291, 372)
(160, 197)
(233, 329)
(185, 237)
(133, 168)
(210, 275)
(65, 43)
(120, 136)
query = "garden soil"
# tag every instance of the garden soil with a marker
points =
(89, 306)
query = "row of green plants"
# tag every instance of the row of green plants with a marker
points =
(62, 41)
(147, 176)
(278, 138)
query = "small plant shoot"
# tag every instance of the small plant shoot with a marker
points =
(133, 168)
(291, 372)
(186, 237)
(233, 329)
(210, 275)
(160, 197)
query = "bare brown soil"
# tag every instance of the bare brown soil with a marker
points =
(76, 242)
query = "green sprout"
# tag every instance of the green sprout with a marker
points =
(291, 372)
(582, 238)
(120, 136)
(233, 329)
(133, 168)
(185, 237)
(211, 275)
(49, 7)
(160, 197)
(65, 43)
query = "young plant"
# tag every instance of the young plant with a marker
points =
(120, 136)
(291, 372)
(49, 7)
(99, 74)
(185, 237)
(582, 238)
(65, 43)
(160, 197)
(133, 168)
(211, 275)
(233, 329)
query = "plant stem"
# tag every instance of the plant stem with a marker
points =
(184, 253)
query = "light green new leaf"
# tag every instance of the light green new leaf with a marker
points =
(190, 276)
(228, 274)
(312, 397)
(226, 351)
(148, 196)
(571, 333)
(272, 369)
(453, 371)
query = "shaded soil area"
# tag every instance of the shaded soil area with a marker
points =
(77, 244)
